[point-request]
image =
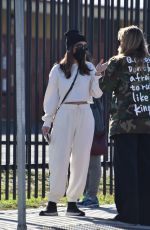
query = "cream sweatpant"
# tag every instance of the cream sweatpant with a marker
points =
(71, 142)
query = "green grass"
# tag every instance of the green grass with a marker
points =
(107, 199)
(37, 202)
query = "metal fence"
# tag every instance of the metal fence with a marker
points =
(45, 24)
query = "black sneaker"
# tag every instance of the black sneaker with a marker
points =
(51, 210)
(72, 210)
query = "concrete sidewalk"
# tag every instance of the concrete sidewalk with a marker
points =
(95, 219)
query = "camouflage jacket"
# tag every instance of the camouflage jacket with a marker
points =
(130, 88)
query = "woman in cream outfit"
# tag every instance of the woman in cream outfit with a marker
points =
(73, 126)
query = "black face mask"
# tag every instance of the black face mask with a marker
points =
(79, 55)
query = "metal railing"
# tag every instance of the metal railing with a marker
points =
(45, 24)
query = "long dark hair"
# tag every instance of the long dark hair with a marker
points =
(67, 62)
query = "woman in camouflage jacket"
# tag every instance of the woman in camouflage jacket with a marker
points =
(128, 79)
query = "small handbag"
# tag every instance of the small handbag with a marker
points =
(99, 145)
(48, 136)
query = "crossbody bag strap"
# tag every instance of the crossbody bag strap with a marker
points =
(63, 101)
(69, 89)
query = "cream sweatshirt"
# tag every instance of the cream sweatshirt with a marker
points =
(85, 87)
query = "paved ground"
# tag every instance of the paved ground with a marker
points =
(95, 219)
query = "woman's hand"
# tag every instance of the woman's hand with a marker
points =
(45, 130)
(101, 67)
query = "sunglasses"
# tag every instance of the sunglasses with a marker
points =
(81, 46)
